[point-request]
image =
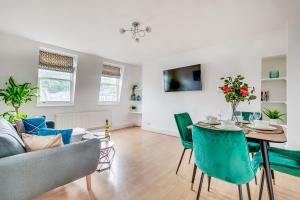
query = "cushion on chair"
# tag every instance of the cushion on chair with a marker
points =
(253, 147)
(34, 124)
(187, 144)
(282, 163)
(10, 142)
(66, 134)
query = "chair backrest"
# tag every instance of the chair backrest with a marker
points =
(183, 120)
(247, 114)
(222, 154)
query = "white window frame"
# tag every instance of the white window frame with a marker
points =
(108, 103)
(73, 83)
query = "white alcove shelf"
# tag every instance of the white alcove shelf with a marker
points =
(277, 87)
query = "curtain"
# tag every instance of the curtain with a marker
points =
(56, 62)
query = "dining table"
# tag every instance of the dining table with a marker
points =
(264, 138)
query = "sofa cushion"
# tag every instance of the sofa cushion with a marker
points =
(66, 134)
(35, 142)
(19, 126)
(34, 124)
(10, 142)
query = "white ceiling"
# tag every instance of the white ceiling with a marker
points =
(177, 25)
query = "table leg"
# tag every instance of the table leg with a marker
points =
(265, 156)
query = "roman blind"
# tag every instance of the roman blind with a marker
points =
(56, 62)
(111, 71)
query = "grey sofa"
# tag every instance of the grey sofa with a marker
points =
(26, 175)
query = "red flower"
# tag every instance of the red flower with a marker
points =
(244, 91)
(226, 89)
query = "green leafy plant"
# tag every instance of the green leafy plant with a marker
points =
(11, 116)
(236, 91)
(273, 114)
(16, 95)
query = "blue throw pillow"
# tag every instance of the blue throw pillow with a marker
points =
(34, 124)
(66, 134)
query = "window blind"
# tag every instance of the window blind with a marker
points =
(56, 62)
(111, 71)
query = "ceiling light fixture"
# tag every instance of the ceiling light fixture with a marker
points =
(137, 33)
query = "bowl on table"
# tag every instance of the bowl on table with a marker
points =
(211, 119)
(261, 124)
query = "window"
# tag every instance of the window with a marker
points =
(110, 85)
(56, 79)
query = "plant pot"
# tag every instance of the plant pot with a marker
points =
(274, 121)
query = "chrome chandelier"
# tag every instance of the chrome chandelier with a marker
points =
(136, 32)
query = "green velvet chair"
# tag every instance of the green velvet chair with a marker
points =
(281, 160)
(253, 146)
(183, 120)
(223, 155)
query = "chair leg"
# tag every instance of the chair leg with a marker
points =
(273, 176)
(248, 191)
(200, 186)
(193, 176)
(262, 180)
(240, 192)
(209, 179)
(180, 160)
(191, 156)
(255, 179)
(89, 182)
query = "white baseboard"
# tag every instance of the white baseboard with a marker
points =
(160, 131)
(115, 127)
(120, 126)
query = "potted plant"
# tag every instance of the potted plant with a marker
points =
(16, 95)
(273, 115)
(236, 91)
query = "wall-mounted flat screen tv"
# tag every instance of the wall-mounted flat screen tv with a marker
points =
(183, 79)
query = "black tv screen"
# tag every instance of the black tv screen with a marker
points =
(183, 79)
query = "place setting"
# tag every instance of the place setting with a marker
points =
(263, 126)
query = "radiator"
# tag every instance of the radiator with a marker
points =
(87, 120)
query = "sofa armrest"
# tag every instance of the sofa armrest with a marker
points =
(30, 174)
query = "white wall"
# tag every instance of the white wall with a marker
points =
(19, 58)
(293, 74)
(226, 59)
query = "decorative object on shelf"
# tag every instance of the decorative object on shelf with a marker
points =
(273, 115)
(274, 74)
(236, 91)
(138, 98)
(136, 31)
(133, 95)
(16, 95)
(265, 96)
(106, 129)
(133, 108)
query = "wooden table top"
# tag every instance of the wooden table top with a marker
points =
(278, 137)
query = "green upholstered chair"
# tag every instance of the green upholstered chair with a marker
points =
(183, 120)
(282, 160)
(253, 146)
(223, 155)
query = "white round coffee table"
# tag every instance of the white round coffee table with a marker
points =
(99, 135)
(107, 150)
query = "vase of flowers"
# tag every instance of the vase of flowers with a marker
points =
(235, 91)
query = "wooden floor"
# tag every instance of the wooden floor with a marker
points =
(144, 168)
